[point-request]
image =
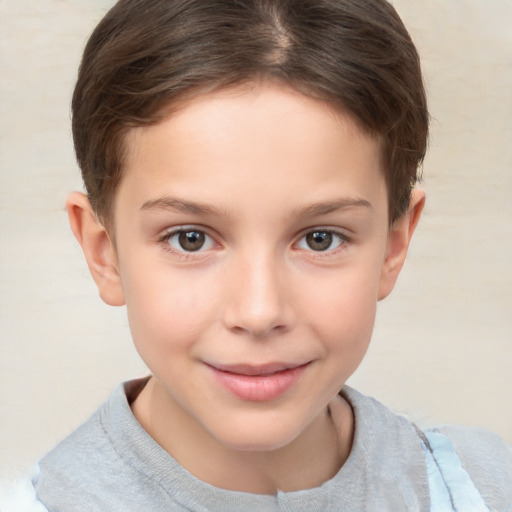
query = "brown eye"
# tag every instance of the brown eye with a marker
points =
(319, 240)
(189, 240)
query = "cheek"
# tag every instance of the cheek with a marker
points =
(345, 308)
(167, 310)
(348, 318)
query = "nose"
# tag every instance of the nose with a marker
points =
(257, 302)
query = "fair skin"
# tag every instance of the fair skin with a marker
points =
(250, 244)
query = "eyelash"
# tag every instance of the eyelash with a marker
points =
(342, 238)
(167, 237)
(335, 234)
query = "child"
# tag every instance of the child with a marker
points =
(250, 169)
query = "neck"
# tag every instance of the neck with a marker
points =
(309, 460)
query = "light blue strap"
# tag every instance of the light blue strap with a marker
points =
(451, 488)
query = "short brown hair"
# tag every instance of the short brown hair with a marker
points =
(145, 54)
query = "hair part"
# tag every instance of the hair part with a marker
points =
(147, 55)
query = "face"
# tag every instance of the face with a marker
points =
(251, 240)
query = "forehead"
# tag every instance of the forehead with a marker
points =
(265, 139)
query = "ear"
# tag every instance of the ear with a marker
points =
(98, 248)
(399, 237)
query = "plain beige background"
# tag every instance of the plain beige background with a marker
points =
(442, 349)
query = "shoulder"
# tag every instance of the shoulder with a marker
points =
(488, 461)
(108, 463)
(484, 456)
(66, 471)
(80, 465)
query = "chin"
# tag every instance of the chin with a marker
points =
(257, 437)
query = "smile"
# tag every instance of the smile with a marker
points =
(258, 383)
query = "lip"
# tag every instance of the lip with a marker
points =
(259, 383)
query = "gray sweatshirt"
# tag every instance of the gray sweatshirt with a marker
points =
(111, 464)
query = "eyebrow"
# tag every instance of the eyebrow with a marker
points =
(324, 208)
(193, 208)
(180, 205)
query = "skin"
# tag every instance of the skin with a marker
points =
(256, 169)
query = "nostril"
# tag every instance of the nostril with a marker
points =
(258, 330)
(257, 324)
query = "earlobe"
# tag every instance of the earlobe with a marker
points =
(399, 238)
(98, 248)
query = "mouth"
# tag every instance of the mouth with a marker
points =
(256, 370)
(258, 383)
